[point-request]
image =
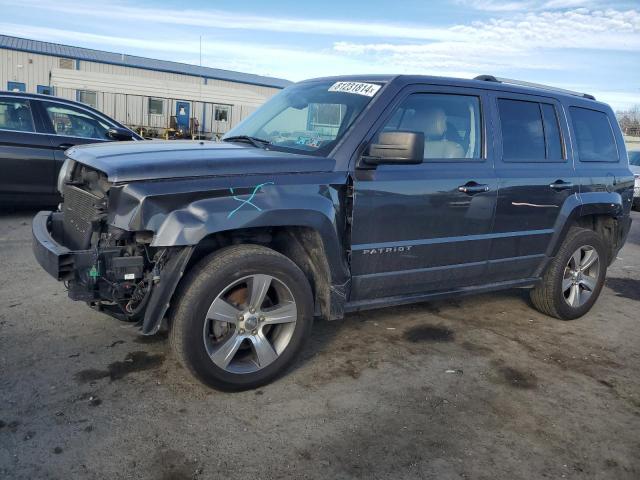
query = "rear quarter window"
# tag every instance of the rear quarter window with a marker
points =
(594, 135)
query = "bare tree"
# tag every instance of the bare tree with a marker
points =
(629, 120)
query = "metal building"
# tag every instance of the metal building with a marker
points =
(156, 97)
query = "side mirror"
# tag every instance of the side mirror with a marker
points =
(117, 133)
(396, 148)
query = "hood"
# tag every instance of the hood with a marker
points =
(155, 160)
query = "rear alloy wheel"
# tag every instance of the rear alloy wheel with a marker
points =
(574, 278)
(243, 315)
(581, 276)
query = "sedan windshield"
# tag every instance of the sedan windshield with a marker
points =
(309, 117)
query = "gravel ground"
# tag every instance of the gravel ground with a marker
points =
(481, 387)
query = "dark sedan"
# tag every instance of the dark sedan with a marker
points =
(35, 130)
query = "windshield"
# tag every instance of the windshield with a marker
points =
(634, 158)
(309, 117)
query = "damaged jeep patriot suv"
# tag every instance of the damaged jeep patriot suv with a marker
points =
(338, 195)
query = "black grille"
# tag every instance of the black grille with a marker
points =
(80, 209)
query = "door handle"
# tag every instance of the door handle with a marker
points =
(561, 185)
(64, 146)
(471, 188)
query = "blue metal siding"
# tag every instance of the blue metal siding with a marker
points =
(78, 54)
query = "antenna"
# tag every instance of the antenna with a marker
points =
(204, 110)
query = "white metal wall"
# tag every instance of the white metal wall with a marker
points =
(123, 92)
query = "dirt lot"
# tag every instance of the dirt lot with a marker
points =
(481, 388)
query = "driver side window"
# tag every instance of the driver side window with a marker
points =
(72, 122)
(450, 123)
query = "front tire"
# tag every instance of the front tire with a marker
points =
(243, 315)
(574, 278)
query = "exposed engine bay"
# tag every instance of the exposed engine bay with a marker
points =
(114, 270)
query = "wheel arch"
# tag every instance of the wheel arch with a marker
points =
(601, 212)
(316, 255)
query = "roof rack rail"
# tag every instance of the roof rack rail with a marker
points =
(491, 78)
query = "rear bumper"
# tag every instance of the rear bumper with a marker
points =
(56, 259)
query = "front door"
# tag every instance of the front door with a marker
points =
(426, 228)
(26, 157)
(68, 126)
(183, 114)
(535, 180)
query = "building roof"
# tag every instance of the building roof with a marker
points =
(88, 54)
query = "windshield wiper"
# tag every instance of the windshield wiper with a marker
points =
(255, 141)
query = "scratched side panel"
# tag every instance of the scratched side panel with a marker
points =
(184, 212)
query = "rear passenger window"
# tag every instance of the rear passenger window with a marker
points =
(594, 136)
(530, 131)
(15, 115)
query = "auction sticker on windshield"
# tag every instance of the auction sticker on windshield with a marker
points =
(359, 88)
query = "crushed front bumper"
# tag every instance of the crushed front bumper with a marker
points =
(56, 259)
(76, 267)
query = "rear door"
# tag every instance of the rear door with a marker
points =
(26, 156)
(535, 179)
(425, 228)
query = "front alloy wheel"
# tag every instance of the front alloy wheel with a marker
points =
(250, 324)
(243, 314)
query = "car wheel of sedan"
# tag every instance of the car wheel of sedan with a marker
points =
(243, 314)
(574, 278)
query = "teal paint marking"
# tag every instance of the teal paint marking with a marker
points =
(248, 201)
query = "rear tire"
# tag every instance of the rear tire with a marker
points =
(574, 278)
(243, 315)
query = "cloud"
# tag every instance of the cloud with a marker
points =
(218, 19)
(523, 41)
(524, 5)
(264, 59)
(574, 28)
(495, 5)
(535, 39)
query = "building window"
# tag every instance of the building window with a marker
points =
(16, 87)
(156, 106)
(66, 63)
(88, 98)
(45, 90)
(221, 114)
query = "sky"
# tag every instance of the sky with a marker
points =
(589, 46)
